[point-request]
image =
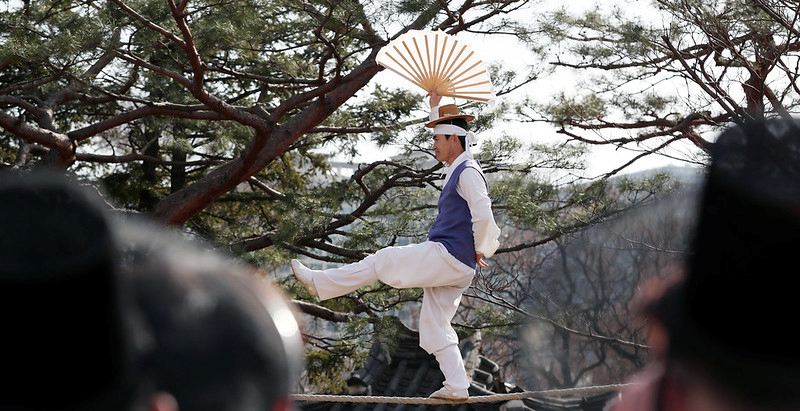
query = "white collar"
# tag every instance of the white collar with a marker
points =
(448, 169)
(460, 159)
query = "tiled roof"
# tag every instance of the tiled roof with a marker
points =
(406, 370)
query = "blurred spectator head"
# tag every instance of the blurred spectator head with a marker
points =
(69, 340)
(106, 312)
(225, 340)
(729, 322)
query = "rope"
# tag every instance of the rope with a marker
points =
(601, 389)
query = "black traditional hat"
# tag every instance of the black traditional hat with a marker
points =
(66, 342)
(734, 314)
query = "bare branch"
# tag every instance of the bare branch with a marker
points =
(57, 141)
(127, 158)
(587, 334)
(322, 312)
(149, 24)
(713, 93)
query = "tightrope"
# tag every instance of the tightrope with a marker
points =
(600, 389)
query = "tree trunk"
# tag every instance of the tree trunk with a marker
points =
(267, 145)
(177, 172)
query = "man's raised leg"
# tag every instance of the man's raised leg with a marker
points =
(334, 282)
(409, 266)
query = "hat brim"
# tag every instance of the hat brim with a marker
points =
(433, 123)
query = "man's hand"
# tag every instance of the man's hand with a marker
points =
(435, 99)
(481, 261)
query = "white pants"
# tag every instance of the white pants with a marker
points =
(428, 266)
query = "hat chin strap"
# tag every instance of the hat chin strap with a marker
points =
(450, 129)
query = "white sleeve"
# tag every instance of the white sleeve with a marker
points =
(434, 114)
(472, 188)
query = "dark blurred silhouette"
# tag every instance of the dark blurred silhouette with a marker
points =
(69, 338)
(723, 333)
(224, 341)
(105, 312)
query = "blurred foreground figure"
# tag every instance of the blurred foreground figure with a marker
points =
(723, 335)
(69, 338)
(224, 341)
(105, 313)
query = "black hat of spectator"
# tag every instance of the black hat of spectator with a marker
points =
(65, 341)
(735, 312)
(224, 340)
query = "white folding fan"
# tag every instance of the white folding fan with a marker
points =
(434, 60)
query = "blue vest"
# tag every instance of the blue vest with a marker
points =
(453, 225)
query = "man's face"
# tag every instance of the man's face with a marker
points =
(444, 148)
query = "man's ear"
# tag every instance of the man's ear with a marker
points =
(284, 404)
(163, 401)
(672, 395)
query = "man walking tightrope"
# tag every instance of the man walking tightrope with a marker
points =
(462, 236)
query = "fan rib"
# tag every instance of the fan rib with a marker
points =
(474, 84)
(409, 70)
(450, 75)
(432, 79)
(450, 69)
(421, 76)
(401, 74)
(469, 97)
(446, 67)
(434, 66)
(467, 78)
(421, 61)
(441, 56)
